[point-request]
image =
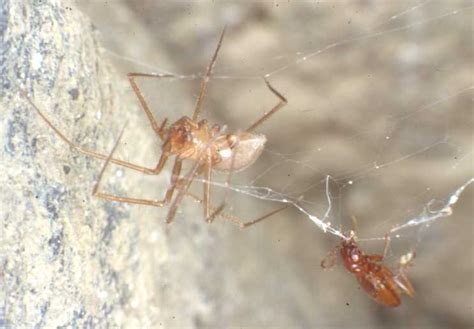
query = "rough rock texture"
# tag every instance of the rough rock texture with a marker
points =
(67, 259)
(366, 102)
(61, 261)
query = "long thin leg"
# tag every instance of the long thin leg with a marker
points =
(207, 187)
(94, 154)
(259, 219)
(267, 115)
(222, 205)
(154, 203)
(205, 79)
(183, 186)
(207, 195)
(159, 130)
(185, 182)
(234, 219)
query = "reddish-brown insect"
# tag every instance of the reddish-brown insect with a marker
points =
(376, 278)
(188, 139)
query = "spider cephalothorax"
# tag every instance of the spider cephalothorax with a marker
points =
(227, 152)
(189, 138)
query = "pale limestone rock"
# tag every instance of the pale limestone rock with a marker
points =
(68, 259)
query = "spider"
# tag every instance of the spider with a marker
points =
(188, 139)
(373, 276)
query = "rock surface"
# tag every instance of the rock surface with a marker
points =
(68, 259)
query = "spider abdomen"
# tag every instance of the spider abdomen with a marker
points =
(190, 140)
(237, 152)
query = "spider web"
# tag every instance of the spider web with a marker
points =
(378, 124)
(407, 119)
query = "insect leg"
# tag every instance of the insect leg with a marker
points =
(405, 285)
(330, 259)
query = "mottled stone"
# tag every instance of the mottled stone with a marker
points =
(57, 269)
(366, 108)
(68, 259)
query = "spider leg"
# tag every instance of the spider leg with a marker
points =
(208, 216)
(185, 182)
(183, 186)
(277, 107)
(159, 130)
(207, 186)
(221, 207)
(94, 154)
(205, 79)
(154, 203)
(234, 219)
(265, 216)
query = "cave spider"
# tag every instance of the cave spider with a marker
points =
(188, 139)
